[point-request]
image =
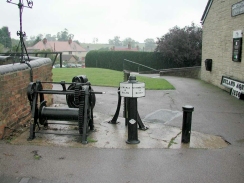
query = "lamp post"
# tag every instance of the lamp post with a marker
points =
(20, 33)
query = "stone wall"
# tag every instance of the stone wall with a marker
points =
(14, 80)
(188, 72)
(217, 43)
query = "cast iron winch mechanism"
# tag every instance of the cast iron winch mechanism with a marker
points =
(80, 98)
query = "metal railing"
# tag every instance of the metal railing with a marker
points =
(139, 65)
(17, 54)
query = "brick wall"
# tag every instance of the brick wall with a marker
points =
(14, 80)
(217, 43)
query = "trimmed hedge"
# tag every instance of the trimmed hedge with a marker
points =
(115, 60)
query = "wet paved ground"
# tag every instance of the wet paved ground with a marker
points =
(114, 136)
(160, 157)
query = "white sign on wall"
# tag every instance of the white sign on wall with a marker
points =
(237, 34)
(237, 87)
(237, 9)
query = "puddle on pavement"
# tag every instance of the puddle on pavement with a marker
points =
(162, 116)
(114, 136)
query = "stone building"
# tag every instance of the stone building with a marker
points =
(223, 25)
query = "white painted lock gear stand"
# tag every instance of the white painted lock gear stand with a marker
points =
(132, 89)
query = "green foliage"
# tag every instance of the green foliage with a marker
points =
(49, 37)
(150, 44)
(77, 42)
(104, 49)
(5, 38)
(1, 48)
(115, 42)
(36, 40)
(15, 49)
(183, 45)
(51, 56)
(131, 41)
(106, 77)
(64, 35)
(115, 60)
(15, 42)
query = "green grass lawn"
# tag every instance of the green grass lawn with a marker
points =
(106, 77)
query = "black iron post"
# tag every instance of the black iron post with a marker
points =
(20, 33)
(131, 90)
(186, 125)
(61, 60)
(132, 122)
(116, 115)
(126, 77)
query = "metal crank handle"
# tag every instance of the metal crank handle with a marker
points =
(98, 92)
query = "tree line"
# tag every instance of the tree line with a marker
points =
(179, 44)
(5, 38)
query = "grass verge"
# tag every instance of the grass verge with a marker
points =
(106, 77)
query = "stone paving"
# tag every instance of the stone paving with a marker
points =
(108, 135)
(215, 153)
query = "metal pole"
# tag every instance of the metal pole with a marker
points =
(132, 122)
(116, 115)
(61, 60)
(20, 32)
(186, 125)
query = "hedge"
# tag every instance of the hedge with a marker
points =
(114, 60)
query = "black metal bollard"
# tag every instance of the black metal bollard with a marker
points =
(186, 124)
(132, 122)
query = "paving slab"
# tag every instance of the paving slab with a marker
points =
(108, 135)
(218, 119)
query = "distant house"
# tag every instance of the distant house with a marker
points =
(124, 48)
(66, 47)
(69, 58)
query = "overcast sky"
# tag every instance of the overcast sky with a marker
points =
(102, 19)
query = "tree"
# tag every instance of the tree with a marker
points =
(36, 40)
(150, 44)
(95, 40)
(115, 41)
(40, 54)
(1, 48)
(104, 49)
(5, 38)
(16, 49)
(128, 40)
(49, 37)
(14, 42)
(77, 42)
(64, 35)
(182, 46)
(40, 36)
(32, 38)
